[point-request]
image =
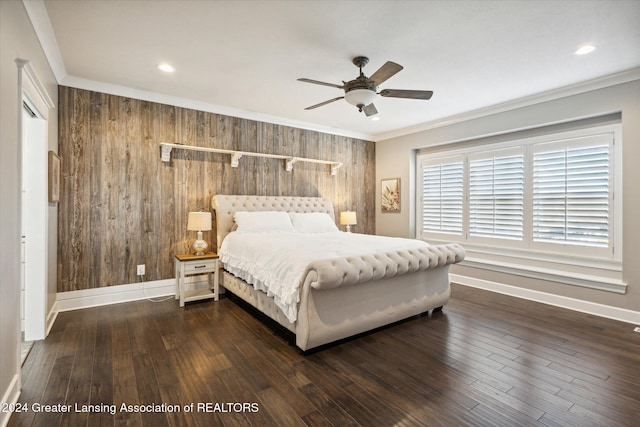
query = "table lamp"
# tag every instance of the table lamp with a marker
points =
(199, 221)
(348, 218)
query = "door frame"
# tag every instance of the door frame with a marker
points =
(33, 94)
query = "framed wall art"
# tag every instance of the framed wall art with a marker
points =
(54, 177)
(390, 195)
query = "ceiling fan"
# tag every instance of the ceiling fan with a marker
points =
(362, 90)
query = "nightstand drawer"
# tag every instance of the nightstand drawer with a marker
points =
(200, 267)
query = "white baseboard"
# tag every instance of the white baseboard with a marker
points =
(10, 396)
(610, 312)
(51, 319)
(75, 300)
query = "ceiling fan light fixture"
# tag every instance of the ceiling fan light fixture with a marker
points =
(362, 91)
(360, 97)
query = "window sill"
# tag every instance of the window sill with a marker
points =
(602, 283)
(587, 272)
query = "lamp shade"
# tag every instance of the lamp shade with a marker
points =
(199, 221)
(348, 218)
(360, 97)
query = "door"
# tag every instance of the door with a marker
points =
(34, 209)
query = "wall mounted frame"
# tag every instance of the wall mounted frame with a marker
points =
(390, 195)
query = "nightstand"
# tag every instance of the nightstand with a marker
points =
(189, 264)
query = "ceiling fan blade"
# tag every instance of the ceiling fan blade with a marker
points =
(370, 110)
(321, 83)
(412, 94)
(324, 103)
(388, 70)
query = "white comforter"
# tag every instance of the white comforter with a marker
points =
(276, 262)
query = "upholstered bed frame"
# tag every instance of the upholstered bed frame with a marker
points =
(344, 297)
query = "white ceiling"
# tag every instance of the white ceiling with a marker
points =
(243, 57)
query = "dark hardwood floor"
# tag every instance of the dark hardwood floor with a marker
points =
(486, 360)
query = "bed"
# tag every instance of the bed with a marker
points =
(340, 294)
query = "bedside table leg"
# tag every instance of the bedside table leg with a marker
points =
(177, 264)
(181, 284)
(216, 282)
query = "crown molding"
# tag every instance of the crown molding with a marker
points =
(86, 84)
(599, 83)
(39, 18)
(563, 92)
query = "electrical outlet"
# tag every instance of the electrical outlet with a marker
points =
(140, 269)
(636, 329)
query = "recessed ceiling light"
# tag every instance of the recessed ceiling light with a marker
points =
(166, 68)
(587, 48)
(375, 118)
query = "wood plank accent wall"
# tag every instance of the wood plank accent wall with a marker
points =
(121, 206)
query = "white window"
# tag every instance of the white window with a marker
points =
(571, 192)
(496, 194)
(547, 194)
(443, 196)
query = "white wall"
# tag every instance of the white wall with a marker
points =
(17, 40)
(395, 157)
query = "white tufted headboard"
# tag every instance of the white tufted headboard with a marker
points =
(226, 206)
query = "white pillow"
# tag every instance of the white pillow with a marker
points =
(312, 222)
(262, 221)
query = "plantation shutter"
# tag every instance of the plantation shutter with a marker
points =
(442, 197)
(571, 191)
(496, 193)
